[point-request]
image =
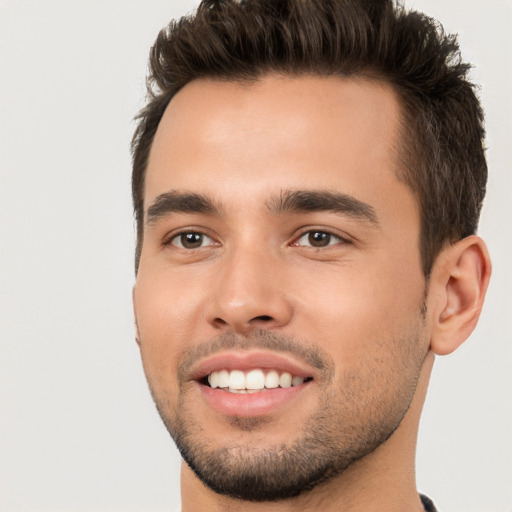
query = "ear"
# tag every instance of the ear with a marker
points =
(458, 285)
(137, 333)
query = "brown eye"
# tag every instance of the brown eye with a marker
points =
(318, 239)
(191, 240)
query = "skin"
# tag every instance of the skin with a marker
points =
(362, 300)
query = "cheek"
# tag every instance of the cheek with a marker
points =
(362, 312)
(166, 298)
(164, 308)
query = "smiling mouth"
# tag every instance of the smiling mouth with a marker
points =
(252, 381)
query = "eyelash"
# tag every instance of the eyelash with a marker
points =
(309, 232)
(177, 236)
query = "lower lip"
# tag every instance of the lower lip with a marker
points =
(250, 404)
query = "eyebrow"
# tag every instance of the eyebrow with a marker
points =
(288, 201)
(181, 202)
(311, 201)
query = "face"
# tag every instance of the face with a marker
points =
(279, 298)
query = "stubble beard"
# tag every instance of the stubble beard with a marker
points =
(348, 425)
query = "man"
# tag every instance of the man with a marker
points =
(307, 182)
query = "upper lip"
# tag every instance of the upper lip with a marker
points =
(250, 360)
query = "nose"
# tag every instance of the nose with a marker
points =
(249, 293)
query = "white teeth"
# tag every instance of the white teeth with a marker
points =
(255, 379)
(213, 379)
(297, 381)
(272, 380)
(236, 381)
(223, 381)
(285, 380)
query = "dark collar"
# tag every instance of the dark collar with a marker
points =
(428, 505)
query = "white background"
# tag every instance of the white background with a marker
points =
(78, 430)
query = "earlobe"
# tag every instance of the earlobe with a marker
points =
(459, 282)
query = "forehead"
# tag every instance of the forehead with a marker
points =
(278, 132)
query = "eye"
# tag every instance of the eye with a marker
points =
(318, 239)
(191, 240)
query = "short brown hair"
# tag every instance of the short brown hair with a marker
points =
(441, 152)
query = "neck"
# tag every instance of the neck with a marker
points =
(383, 480)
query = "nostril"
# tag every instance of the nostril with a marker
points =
(242, 326)
(264, 318)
